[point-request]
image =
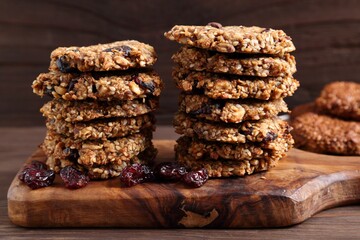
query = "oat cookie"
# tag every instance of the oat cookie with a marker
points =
(232, 38)
(102, 128)
(76, 111)
(234, 87)
(224, 167)
(106, 171)
(230, 111)
(120, 55)
(264, 130)
(90, 153)
(341, 99)
(107, 86)
(200, 149)
(324, 134)
(247, 65)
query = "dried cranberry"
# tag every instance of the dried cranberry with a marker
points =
(37, 177)
(73, 178)
(135, 174)
(36, 165)
(205, 109)
(170, 171)
(64, 66)
(145, 85)
(196, 178)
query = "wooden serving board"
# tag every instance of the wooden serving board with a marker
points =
(301, 185)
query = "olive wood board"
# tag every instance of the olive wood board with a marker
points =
(301, 185)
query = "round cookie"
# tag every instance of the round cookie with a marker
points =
(108, 86)
(102, 128)
(341, 99)
(324, 134)
(219, 86)
(90, 153)
(264, 130)
(223, 167)
(232, 38)
(120, 55)
(199, 149)
(247, 65)
(106, 171)
(230, 111)
(76, 111)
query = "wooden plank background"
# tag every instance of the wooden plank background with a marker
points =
(326, 34)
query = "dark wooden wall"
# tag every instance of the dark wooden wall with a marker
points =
(326, 34)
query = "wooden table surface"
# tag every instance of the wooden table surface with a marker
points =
(16, 144)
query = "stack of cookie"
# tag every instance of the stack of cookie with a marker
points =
(233, 81)
(331, 124)
(100, 118)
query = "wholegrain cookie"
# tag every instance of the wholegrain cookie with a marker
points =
(200, 149)
(223, 167)
(264, 130)
(107, 86)
(102, 128)
(106, 171)
(247, 65)
(76, 111)
(120, 55)
(341, 99)
(324, 134)
(230, 111)
(99, 152)
(220, 86)
(233, 38)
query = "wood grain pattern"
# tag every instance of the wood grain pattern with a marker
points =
(302, 185)
(325, 32)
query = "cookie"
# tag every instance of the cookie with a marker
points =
(99, 152)
(264, 130)
(200, 149)
(220, 86)
(102, 128)
(247, 65)
(341, 99)
(120, 55)
(232, 38)
(230, 111)
(76, 111)
(223, 167)
(324, 134)
(107, 86)
(106, 171)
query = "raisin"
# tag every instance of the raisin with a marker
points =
(71, 154)
(270, 136)
(205, 109)
(72, 84)
(215, 25)
(196, 178)
(172, 171)
(36, 175)
(125, 49)
(64, 66)
(135, 174)
(73, 178)
(144, 85)
(93, 88)
(49, 91)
